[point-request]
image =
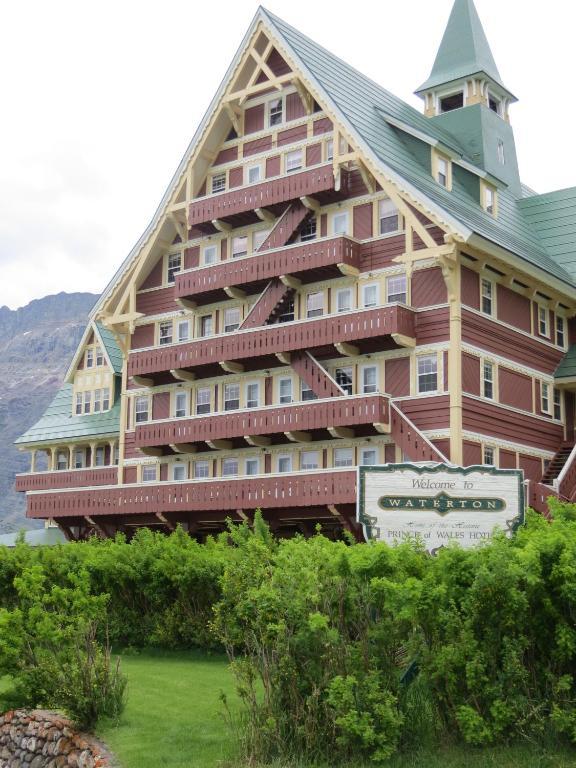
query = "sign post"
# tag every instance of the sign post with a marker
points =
(439, 503)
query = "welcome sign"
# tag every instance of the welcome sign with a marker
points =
(439, 503)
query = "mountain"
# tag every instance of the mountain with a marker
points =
(36, 345)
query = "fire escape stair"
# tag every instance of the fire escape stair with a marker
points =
(308, 368)
(267, 305)
(411, 441)
(285, 226)
(557, 463)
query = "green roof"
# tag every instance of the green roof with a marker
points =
(567, 367)
(59, 424)
(111, 347)
(464, 50)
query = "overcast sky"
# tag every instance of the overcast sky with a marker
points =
(100, 99)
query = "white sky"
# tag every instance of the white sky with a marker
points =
(100, 99)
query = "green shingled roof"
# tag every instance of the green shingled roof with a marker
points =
(59, 424)
(567, 367)
(111, 347)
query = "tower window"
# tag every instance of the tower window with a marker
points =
(494, 104)
(454, 101)
(501, 155)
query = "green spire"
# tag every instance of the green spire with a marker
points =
(464, 49)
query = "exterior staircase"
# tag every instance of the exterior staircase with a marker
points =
(557, 463)
(270, 302)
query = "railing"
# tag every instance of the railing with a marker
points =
(310, 415)
(283, 337)
(271, 192)
(263, 266)
(266, 303)
(310, 489)
(565, 483)
(314, 375)
(538, 495)
(412, 442)
(71, 478)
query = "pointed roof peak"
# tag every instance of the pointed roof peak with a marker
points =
(464, 49)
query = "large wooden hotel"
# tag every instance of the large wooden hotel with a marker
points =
(332, 279)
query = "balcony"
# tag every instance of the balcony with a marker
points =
(317, 182)
(309, 489)
(73, 478)
(309, 262)
(310, 417)
(369, 329)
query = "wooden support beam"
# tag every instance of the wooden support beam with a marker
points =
(102, 532)
(299, 437)
(307, 98)
(258, 441)
(124, 317)
(235, 293)
(346, 349)
(403, 341)
(167, 523)
(290, 282)
(219, 445)
(284, 357)
(344, 433)
(186, 303)
(180, 227)
(183, 447)
(221, 226)
(142, 381)
(148, 451)
(243, 94)
(367, 178)
(230, 367)
(383, 429)
(182, 375)
(349, 270)
(235, 115)
(309, 202)
(243, 516)
(265, 215)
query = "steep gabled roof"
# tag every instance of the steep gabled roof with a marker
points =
(111, 348)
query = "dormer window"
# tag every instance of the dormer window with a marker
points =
(275, 112)
(454, 101)
(489, 200)
(442, 174)
(442, 170)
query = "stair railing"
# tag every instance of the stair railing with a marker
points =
(565, 483)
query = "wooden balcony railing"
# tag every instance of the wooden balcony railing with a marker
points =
(261, 267)
(315, 488)
(311, 415)
(283, 337)
(268, 193)
(72, 478)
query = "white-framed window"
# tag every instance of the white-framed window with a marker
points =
(206, 325)
(179, 472)
(369, 377)
(253, 174)
(259, 238)
(141, 409)
(494, 103)
(239, 246)
(543, 322)
(201, 469)
(99, 456)
(368, 457)
(287, 315)
(442, 171)
(62, 460)
(370, 295)
(344, 300)
(340, 223)
(99, 356)
(488, 456)
(218, 183)
(183, 331)
(87, 401)
(285, 390)
(252, 394)
(315, 304)
(560, 331)
(545, 397)
(329, 149)
(427, 373)
(203, 400)
(174, 266)
(229, 467)
(231, 397)
(231, 319)
(252, 467)
(210, 254)
(487, 296)
(285, 463)
(79, 458)
(181, 405)
(309, 460)
(97, 400)
(105, 398)
(89, 358)
(501, 152)
(165, 332)
(275, 112)
(308, 230)
(388, 217)
(149, 473)
(293, 160)
(396, 289)
(488, 380)
(306, 391)
(343, 457)
(451, 101)
(79, 401)
(344, 378)
(557, 404)
(490, 200)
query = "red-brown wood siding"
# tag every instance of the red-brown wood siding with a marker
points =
(268, 390)
(313, 154)
(428, 288)
(224, 249)
(154, 278)
(155, 302)
(163, 472)
(432, 326)
(323, 225)
(390, 454)
(143, 336)
(254, 120)
(470, 374)
(443, 446)
(513, 308)
(130, 474)
(294, 107)
(532, 467)
(428, 412)
(363, 221)
(379, 253)
(357, 187)
(324, 125)
(515, 389)
(191, 257)
(273, 166)
(470, 288)
(507, 459)
(291, 135)
(258, 145)
(398, 377)
(277, 64)
(161, 405)
(235, 177)
(226, 156)
(445, 364)
(472, 453)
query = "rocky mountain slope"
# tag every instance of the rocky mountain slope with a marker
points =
(36, 345)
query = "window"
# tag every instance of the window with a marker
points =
(149, 473)
(487, 297)
(61, 460)
(488, 380)
(99, 356)
(202, 400)
(78, 403)
(494, 104)
(259, 238)
(343, 457)
(557, 404)
(252, 467)
(165, 335)
(308, 230)
(229, 467)
(252, 395)
(275, 112)
(87, 401)
(490, 200)
(396, 289)
(545, 397)
(306, 392)
(179, 472)
(329, 149)
(370, 295)
(543, 320)
(206, 325)
(89, 358)
(210, 254)
(293, 160)
(309, 460)
(560, 337)
(105, 399)
(368, 457)
(284, 463)
(488, 456)
(285, 390)
(201, 469)
(181, 405)
(99, 457)
(340, 223)
(231, 397)
(254, 174)
(344, 300)
(218, 183)
(369, 380)
(231, 319)
(501, 155)
(454, 101)
(97, 400)
(239, 246)
(315, 304)
(427, 373)
(288, 314)
(141, 407)
(174, 265)
(79, 458)
(388, 217)
(442, 171)
(183, 330)
(344, 379)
